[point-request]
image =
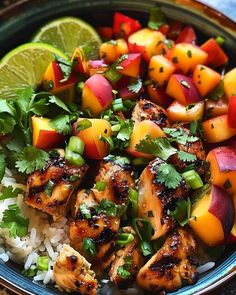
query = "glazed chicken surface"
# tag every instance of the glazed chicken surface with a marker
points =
(102, 229)
(50, 190)
(117, 179)
(72, 273)
(156, 199)
(147, 110)
(171, 266)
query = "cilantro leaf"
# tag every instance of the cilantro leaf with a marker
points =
(123, 270)
(107, 207)
(135, 86)
(65, 66)
(6, 107)
(62, 124)
(89, 246)
(23, 100)
(168, 176)
(146, 248)
(179, 135)
(55, 100)
(156, 19)
(117, 160)
(7, 123)
(14, 221)
(159, 147)
(9, 192)
(40, 107)
(182, 211)
(186, 157)
(16, 144)
(2, 166)
(31, 159)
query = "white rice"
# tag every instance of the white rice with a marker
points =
(43, 239)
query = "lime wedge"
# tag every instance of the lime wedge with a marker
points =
(25, 65)
(68, 33)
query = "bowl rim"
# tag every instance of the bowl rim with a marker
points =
(197, 5)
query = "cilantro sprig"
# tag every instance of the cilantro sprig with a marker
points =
(16, 224)
(160, 147)
(182, 211)
(179, 135)
(9, 192)
(168, 175)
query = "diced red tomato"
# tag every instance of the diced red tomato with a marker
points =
(216, 55)
(164, 29)
(232, 112)
(123, 25)
(187, 35)
(105, 32)
(174, 30)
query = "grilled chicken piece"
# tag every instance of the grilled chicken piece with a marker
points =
(72, 273)
(147, 110)
(50, 190)
(129, 256)
(196, 148)
(102, 229)
(171, 266)
(118, 180)
(155, 199)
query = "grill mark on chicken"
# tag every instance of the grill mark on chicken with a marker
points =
(59, 173)
(147, 110)
(118, 180)
(171, 267)
(106, 236)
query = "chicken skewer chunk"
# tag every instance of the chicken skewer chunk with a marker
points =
(171, 266)
(72, 273)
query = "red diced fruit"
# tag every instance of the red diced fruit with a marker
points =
(205, 79)
(187, 35)
(44, 136)
(130, 66)
(146, 41)
(186, 56)
(105, 32)
(96, 94)
(174, 30)
(123, 25)
(160, 69)
(158, 95)
(182, 89)
(216, 55)
(111, 50)
(232, 112)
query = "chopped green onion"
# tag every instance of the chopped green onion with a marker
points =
(192, 179)
(30, 272)
(112, 75)
(100, 185)
(143, 228)
(140, 161)
(220, 40)
(42, 262)
(83, 124)
(117, 105)
(116, 128)
(133, 197)
(129, 104)
(74, 158)
(49, 188)
(76, 145)
(124, 239)
(146, 248)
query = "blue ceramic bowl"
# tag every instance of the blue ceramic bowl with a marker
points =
(18, 23)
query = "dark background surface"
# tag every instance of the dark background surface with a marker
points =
(228, 7)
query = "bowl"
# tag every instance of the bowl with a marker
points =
(20, 20)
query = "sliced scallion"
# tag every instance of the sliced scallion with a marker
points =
(193, 179)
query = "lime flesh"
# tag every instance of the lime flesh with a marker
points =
(24, 66)
(68, 33)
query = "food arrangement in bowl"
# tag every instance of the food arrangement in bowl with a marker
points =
(118, 154)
